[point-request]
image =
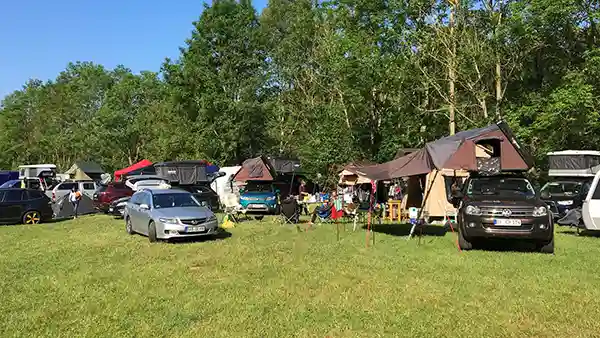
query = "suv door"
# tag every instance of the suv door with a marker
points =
(133, 208)
(14, 202)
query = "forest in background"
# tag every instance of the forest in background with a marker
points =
(327, 82)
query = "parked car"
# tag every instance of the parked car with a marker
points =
(259, 198)
(204, 194)
(11, 184)
(24, 206)
(502, 206)
(62, 189)
(167, 214)
(106, 194)
(117, 207)
(564, 194)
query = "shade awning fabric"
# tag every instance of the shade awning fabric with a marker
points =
(136, 166)
(456, 152)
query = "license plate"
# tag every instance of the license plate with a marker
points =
(257, 206)
(565, 202)
(507, 222)
(195, 229)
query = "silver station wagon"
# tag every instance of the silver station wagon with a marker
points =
(168, 214)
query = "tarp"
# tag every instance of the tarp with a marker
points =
(85, 171)
(457, 152)
(256, 169)
(124, 171)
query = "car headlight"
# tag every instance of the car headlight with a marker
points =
(122, 204)
(473, 210)
(540, 211)
(168, 220)
(272, 198)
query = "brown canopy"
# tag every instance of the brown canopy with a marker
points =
(457, 152)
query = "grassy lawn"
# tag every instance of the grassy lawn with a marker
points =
(89, 278)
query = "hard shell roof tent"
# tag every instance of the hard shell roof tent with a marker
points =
(186, 172)
(37, 171)
(573, 163)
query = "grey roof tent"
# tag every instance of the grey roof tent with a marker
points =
(573, 163)
(182, 172)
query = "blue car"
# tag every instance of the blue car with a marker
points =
(260, 199)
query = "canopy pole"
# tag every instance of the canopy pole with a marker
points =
(412, 230)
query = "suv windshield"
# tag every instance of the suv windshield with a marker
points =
(258, 187)
(564, 188)
(162, 201)
(500, 186)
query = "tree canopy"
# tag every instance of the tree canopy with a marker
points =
(327, 82)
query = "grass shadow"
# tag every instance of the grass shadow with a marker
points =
(403, 229)
(221, 235)
(506, 245)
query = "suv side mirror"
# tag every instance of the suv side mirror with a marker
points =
(545, 195)
(144, 207)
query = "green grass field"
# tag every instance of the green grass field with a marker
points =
(89, 278)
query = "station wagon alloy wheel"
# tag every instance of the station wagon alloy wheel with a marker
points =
(32, 217)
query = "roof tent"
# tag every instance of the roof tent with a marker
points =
(186, 172)
(489, 149)
(573, 163)
(256, 169)
(85, 171)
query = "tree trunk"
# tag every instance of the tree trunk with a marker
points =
(452, 73)
(498, 73)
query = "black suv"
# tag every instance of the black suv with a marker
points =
(502, 206)
(24, 206)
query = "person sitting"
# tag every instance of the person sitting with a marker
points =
(324, 209)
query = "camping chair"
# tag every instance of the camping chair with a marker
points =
(232, 208)
(290, 211)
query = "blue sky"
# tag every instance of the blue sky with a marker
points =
(39, 37)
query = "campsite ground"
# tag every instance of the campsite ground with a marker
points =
(89, 278)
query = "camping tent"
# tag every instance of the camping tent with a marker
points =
(85, 171)
(141, 164)
(256, 169)
(64, 209)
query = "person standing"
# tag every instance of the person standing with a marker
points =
(75, 198)
(302, 196)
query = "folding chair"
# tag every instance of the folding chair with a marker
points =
(289, 211)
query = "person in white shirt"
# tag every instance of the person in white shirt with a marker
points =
(74, 198)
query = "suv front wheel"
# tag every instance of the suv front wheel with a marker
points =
(547, 247)
(463, 244)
